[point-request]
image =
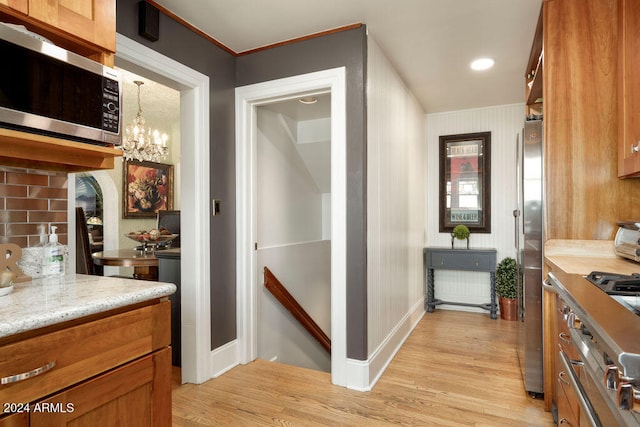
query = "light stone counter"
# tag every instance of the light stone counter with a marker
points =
(584, 256)
(47, 301)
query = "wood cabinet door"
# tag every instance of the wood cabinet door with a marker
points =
(629, 88)
(15, 420)
(21, 6)
(91, 20)
(138, 393)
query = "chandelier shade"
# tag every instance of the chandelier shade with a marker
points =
(142, 143)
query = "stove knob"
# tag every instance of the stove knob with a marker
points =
(611, 377)
(626, 397)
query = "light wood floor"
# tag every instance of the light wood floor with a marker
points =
(456, 369)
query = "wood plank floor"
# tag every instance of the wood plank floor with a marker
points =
(456, 369)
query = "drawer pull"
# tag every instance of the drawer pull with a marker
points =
(562, 379)
(26, 375)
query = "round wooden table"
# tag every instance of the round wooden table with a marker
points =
(145, 264)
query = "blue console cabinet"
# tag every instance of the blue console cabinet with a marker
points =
(482, 260)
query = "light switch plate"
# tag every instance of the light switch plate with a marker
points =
(215, 207)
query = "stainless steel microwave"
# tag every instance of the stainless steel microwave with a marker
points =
(48, 90)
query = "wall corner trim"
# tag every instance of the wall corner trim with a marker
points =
(364, 374)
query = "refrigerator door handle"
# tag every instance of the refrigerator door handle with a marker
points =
(516, 220)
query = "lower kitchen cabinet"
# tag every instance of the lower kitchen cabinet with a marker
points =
(135, 391)
(111, 370)
(15, 420)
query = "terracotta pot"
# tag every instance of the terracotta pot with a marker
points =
(508, 308)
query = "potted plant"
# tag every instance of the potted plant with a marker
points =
(460, 232)
(506, 288)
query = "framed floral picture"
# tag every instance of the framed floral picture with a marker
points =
(147, 188)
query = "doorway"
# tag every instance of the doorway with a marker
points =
(248, 100)
(194, 134)
(197, 359)
(293, 168)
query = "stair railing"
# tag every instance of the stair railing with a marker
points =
(287, 300)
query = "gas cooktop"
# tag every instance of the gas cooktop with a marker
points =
(623, 288)
(616, 284)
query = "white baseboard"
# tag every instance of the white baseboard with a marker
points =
(362, 375)
(223, 359)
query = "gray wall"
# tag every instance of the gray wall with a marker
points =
(186, 47)
(348, 49)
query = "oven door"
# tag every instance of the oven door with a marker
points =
(588, 414)
(595, 410)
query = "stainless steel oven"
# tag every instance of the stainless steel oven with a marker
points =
(603, 371)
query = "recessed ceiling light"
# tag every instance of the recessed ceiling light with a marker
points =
(308, 100)
(481, 64)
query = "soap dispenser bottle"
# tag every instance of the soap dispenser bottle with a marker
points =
(53, 257)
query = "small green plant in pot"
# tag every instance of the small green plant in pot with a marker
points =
(460, 232)
(506, 288)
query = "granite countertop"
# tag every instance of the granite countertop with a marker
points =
(47, 301)
(584, 256)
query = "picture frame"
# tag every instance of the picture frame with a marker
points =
(465, 182)
(147, 188)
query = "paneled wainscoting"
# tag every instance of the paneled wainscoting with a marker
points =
(456, 369)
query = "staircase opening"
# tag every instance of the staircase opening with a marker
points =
(293, 170)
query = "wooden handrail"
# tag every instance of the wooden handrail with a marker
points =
(287, 300)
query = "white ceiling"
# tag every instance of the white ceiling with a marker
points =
(430, 42)
(300, 112)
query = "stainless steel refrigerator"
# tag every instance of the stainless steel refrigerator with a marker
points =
(529, 243)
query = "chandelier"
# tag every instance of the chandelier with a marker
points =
(141, 142)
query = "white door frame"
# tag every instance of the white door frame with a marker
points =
(248, 98)
(194, 193)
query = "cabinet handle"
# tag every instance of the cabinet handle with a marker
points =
(561, 378)
(26, 375)
(635, 148)
(564, 421)
(565, 337)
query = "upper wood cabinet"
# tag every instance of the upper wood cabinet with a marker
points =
(32, 151)
(533, 90)
(92, 20)
(584, 196)
(628, 88)
(21, 6)
(86, 27)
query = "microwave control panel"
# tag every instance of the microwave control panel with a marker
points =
(110, 105)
